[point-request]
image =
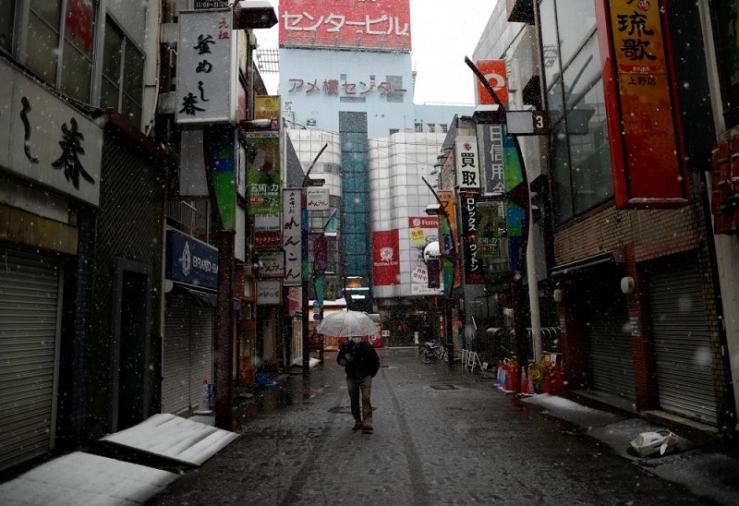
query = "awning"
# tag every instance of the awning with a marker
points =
(613, 258)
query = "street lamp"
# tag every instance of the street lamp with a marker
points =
(438, 209)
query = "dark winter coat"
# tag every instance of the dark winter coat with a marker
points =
(362, 362)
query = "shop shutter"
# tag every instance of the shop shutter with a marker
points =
(201, 358)
(611, 366)
(681, 338)
(176, 359)
(29, 348)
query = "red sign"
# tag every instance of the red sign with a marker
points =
(495, 73)
(725, 187)
(267, 239)
(370, 24)
(647, 153)
(386, 258)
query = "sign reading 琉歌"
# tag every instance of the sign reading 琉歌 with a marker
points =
(644, 124)
(205, 74)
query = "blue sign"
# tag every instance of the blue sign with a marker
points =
(191, 261)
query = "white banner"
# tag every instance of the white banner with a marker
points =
(292, 236)
(205, 67)
(468, 162)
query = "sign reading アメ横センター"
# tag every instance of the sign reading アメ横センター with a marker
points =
(363, 24)
(647, 152)
(205, 73)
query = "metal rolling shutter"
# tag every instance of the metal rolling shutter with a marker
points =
(176, 359)
(681, 337)
(29, 348)
(611, 365)
(201, 358)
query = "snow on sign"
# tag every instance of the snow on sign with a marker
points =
(205, 74)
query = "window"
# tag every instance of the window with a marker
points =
(396, 84)
(7, 22)
(444, 127)
(123, 74)
(580, 149)
(419, 127)
(58, 45)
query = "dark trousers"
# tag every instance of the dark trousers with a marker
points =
(361, 413)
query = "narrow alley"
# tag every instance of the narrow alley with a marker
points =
(440, 437)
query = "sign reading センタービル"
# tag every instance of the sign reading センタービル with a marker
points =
(381, 25)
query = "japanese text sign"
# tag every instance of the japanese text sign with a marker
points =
(46, 141)
(473, 267)
(468, 162)
(369, 24)
(291, 235)
(206, 56)
(263, 172)
(317, 199)
(647, 152)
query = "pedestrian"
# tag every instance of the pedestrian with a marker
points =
(361, 363)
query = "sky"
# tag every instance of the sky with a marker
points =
(443, 32)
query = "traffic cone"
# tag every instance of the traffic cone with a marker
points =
(512, 378)
(558, 381)
(546, 387)
(531, 384)
(524, 382)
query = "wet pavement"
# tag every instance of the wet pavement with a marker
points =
(441, 437)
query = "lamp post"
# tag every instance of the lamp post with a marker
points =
(520, 196)
(438, 209)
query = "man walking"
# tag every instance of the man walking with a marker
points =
(361, 363)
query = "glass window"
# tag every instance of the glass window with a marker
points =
(7, 23)
(396, 83)
(563, 207)
(43, 39)
(79, 26)
(549, 42)
(575, 24)
(123, 74)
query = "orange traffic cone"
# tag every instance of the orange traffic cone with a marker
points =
(546, 387)
(558, 381)
(524, 382)
(512, 378)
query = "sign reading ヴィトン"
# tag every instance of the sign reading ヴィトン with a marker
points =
(44, 140)
(380, 25)
(191, 261)
(647, 152)
(205, 74)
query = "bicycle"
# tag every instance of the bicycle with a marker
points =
(429, 352)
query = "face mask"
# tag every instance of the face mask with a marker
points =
(357, 340)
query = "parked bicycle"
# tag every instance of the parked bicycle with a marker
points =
(429, 352)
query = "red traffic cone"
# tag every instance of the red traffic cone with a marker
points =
(546, 387)
(531, 384)
(558, 385)
(524, 382)
(512, 378)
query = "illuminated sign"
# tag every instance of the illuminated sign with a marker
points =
(647, 153)
(359, 24)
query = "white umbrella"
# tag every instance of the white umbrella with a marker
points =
(347, 324)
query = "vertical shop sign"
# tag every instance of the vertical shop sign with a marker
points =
(468, 162)
(473, 267)
(448, 233)
(219, 142)
(495, 73)
(515, 213)
(205, 74)
(647, 152)
(385, 259)
(291, 236)
(263, 172)
(422, 231)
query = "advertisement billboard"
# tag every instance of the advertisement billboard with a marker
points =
(385, 259)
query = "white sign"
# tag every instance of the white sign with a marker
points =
(292, 236)
(269, 292)
(317, 199)
(468, 162)
(205, 67)
(47, 141)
